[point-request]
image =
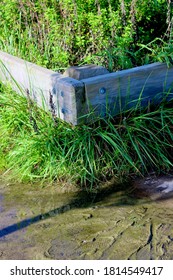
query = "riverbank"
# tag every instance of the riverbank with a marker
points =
(45, 224)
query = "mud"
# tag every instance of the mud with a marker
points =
(119, 222)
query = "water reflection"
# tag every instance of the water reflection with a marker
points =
(166, 186)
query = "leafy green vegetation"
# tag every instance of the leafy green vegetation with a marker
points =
(117, 34)
(36, 148)
(57, 34)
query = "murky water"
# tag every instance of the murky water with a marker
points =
(135, 222)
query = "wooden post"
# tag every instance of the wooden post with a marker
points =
(85, 71)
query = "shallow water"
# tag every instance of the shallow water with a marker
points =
(135, 222)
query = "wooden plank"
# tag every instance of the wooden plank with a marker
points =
(67, 94)
(121, 90)
(24, 76)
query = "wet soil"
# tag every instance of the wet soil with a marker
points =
(119, 222)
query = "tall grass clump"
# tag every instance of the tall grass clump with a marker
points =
(36, 147)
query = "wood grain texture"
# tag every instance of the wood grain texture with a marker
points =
(67, 94)
(24, 76)
(69, 99)
(122, 90)
(98, 95)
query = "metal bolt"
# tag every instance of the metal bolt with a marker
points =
(102, 90)
(63, 110)
(62, 93)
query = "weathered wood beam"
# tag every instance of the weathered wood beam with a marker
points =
(89, 89)
(121, 90)
(67, 93)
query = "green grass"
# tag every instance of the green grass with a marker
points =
(59, 34)
(35, 147)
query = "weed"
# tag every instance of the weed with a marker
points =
(135, 142)
(57, 34)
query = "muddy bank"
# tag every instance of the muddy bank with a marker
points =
(121, 222)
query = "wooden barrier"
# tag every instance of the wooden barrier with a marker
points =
(43, 85)
(125, 89)
(87, 90)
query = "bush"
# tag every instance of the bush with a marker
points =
(57, 34)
